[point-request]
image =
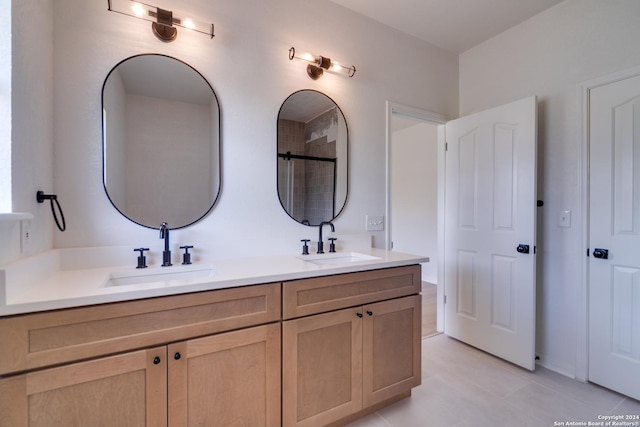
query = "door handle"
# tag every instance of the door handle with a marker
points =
(601, 253)
(523, 249)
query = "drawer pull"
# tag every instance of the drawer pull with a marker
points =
(359, 314)
(156, 360)
(370, 313)
(177, 355)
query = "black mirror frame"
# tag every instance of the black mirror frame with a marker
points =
(346, 197)
(215, 96)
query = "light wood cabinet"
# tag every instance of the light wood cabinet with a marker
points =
(391, 348)
(340, 363)
(227, 379)
(322, 368)
(125, 390)
(182, 360)
(327, 293)
(43, 339)
(231, 379)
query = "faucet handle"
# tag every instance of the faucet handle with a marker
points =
(332, 245)
(186, 256)
(142, 260)
(305, 247)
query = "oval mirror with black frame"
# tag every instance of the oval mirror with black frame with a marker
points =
(160, 141)
(313, 157)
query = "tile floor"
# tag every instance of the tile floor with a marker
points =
(464, 387)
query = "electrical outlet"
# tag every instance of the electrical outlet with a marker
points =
(565, 219)
(25, 235)
(374, 223)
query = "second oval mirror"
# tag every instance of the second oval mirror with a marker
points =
(313, 152)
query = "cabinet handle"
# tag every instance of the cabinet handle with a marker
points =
(370, 313)
(177, 355)
(359, 314)
(156, 360)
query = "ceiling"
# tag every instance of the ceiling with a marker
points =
(453, 25)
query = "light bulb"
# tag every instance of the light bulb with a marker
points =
(341, 69)
(188, 23)
(308, 57)
(138, 9)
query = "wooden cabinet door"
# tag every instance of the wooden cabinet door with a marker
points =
(124, 390)
(391, 348)
(230, 379)
(322, 359)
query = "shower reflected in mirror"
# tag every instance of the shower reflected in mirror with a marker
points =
(312, 157)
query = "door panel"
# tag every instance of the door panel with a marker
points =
(129, 389)
(466, 284)
(468, 180)
(626, 291)
(503, 288)
(614, 212)
(227, 379)
(491, 209)
(323, 379)
(391, 348)
(504, 202)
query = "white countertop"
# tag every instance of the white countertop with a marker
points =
(39, 283)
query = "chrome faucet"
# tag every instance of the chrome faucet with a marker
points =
(166, 254)
(320, 243)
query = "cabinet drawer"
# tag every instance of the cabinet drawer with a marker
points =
(311, 296)
(42, 339)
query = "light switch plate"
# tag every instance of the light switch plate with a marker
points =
(374, 223)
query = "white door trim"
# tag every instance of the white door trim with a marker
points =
(392, 109)
(582, 351)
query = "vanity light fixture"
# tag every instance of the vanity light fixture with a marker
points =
(163, 22)
(317, 64)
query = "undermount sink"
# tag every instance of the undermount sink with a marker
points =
(160, 276)
(337, 258)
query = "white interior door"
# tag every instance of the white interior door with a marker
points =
(614, 225)
(490, 215)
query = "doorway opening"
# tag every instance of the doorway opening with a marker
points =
(414, 196)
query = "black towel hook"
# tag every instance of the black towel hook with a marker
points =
(41, 197)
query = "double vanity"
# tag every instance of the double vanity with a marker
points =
(88, 339)
(277, 340)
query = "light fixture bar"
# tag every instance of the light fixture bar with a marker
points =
(317, 64)
(161, 17)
